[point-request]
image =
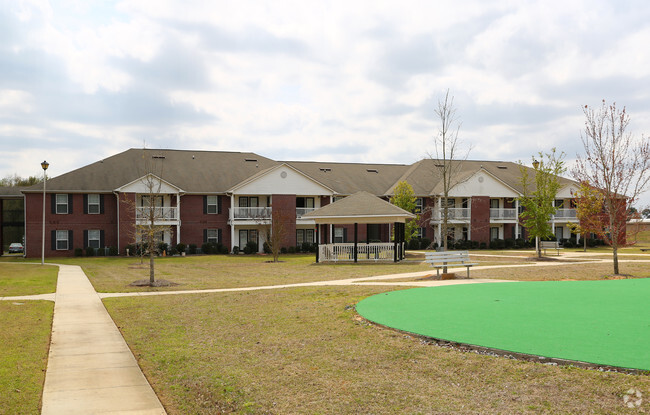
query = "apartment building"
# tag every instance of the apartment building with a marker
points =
(227, 197)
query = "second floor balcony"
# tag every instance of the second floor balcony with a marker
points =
(453, 214)
(565, 214)
(158, 214)
(250, 213)
(505, 214)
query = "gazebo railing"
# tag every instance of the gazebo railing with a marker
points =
(378, 251)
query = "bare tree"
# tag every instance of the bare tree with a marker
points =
(616, 164)
(275, 229)
(150, 214)
(448, 157)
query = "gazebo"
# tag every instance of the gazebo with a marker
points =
(365, 208)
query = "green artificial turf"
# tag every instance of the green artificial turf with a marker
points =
(602, 322)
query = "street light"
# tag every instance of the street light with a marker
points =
(44, 165)
(535, 164)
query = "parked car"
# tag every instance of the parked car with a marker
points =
(16, 248)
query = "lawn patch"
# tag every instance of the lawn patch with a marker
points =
(25, 339)
(27, 279)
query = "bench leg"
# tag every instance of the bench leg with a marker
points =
(438, 273)
(467, 272)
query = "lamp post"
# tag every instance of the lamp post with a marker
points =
(536, 166)
(44, 165)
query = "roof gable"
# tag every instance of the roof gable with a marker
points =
(361, 207)
(281, 179)
(483, 183)
(149, 183)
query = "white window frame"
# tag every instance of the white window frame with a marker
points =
(419, 203)
(339, 234)
(212, 203)
(60, 203)
(212, 236)
(94, 238)
(93, 205)
(62, 243)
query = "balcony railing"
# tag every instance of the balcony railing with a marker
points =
(454, 214)
(380, 251)
(242, 213)
(503, 213)
(160, 214)
(303, 211)
(565, 214)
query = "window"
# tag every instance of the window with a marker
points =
(559, 232)
(305, 202)
(465, 234)
(212, 204)
(62, 205)
(94, 239)
(145, 201)
(419, 204)
(212, 236)
(247, 235)
(62, 240)
(465, 203)
(559, 203)
(494, 203)
(304, 235)
(339, 235)
(93, 204)
(494, 233)
(246, 201)
(421, 233)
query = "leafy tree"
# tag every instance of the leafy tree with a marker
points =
(17, 181)
(404, 197)
(589, 211)
(616, 164)
(539, 194)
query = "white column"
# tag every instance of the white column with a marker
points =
(516, 218)
(178, 218)
(232, 222)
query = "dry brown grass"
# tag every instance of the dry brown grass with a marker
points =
(220, 271)
(565, 271)
(304, 350)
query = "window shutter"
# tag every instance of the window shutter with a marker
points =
(85, 239)
(219, 236)
(345, 235)
(53, 203)
(53, 238)
(85, 204)
(101, 239)
(101, 203)
(70, 197)
(205, 205)
(70, 239)
(205, 235)
(219, 204)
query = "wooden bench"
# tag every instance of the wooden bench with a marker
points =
(448, 259)
(550, 245)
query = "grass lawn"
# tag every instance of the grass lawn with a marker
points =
(27, 279)
(225, 271)
(304, 350)
(25, 339)
(565, 271)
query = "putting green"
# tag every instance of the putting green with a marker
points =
(602, 322)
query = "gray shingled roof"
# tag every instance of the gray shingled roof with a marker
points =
(206, 172)
(193, 171)
(361, 204)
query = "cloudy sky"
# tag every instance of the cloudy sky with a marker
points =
(348, 80)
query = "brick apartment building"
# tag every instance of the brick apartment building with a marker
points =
(213, 196)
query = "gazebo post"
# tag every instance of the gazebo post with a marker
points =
(395, 237)
(317, 241)
(356, 226)
(403, 240)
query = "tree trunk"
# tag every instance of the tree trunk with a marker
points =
(584, 241)
(538, 247)
(151, 269)
(615, 249)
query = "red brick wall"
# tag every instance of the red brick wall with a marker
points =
(480, 226)
(194, 221)
(284, 209)
(127, 221)
(77, 222)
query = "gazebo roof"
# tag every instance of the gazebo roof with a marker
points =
(361, 207)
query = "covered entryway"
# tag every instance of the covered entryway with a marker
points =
(361, 208)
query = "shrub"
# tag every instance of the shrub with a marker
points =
(131, 248)
(308, 247)
(90, 251)
(206, 248)
(78, 252)
(235, 250)
(221, 249)
(162, 247)
(424, 243)
(173, 250)
(283, 250)
(509, 243)
(292, 249)
(112, 251)
(497, 244)
(192, 249)
(180, 247)
(267, 248)
(251, 247)
(482, 245)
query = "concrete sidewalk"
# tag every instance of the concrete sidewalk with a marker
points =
(90, 369)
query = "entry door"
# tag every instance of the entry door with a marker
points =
(559, 232)
(243, 238)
